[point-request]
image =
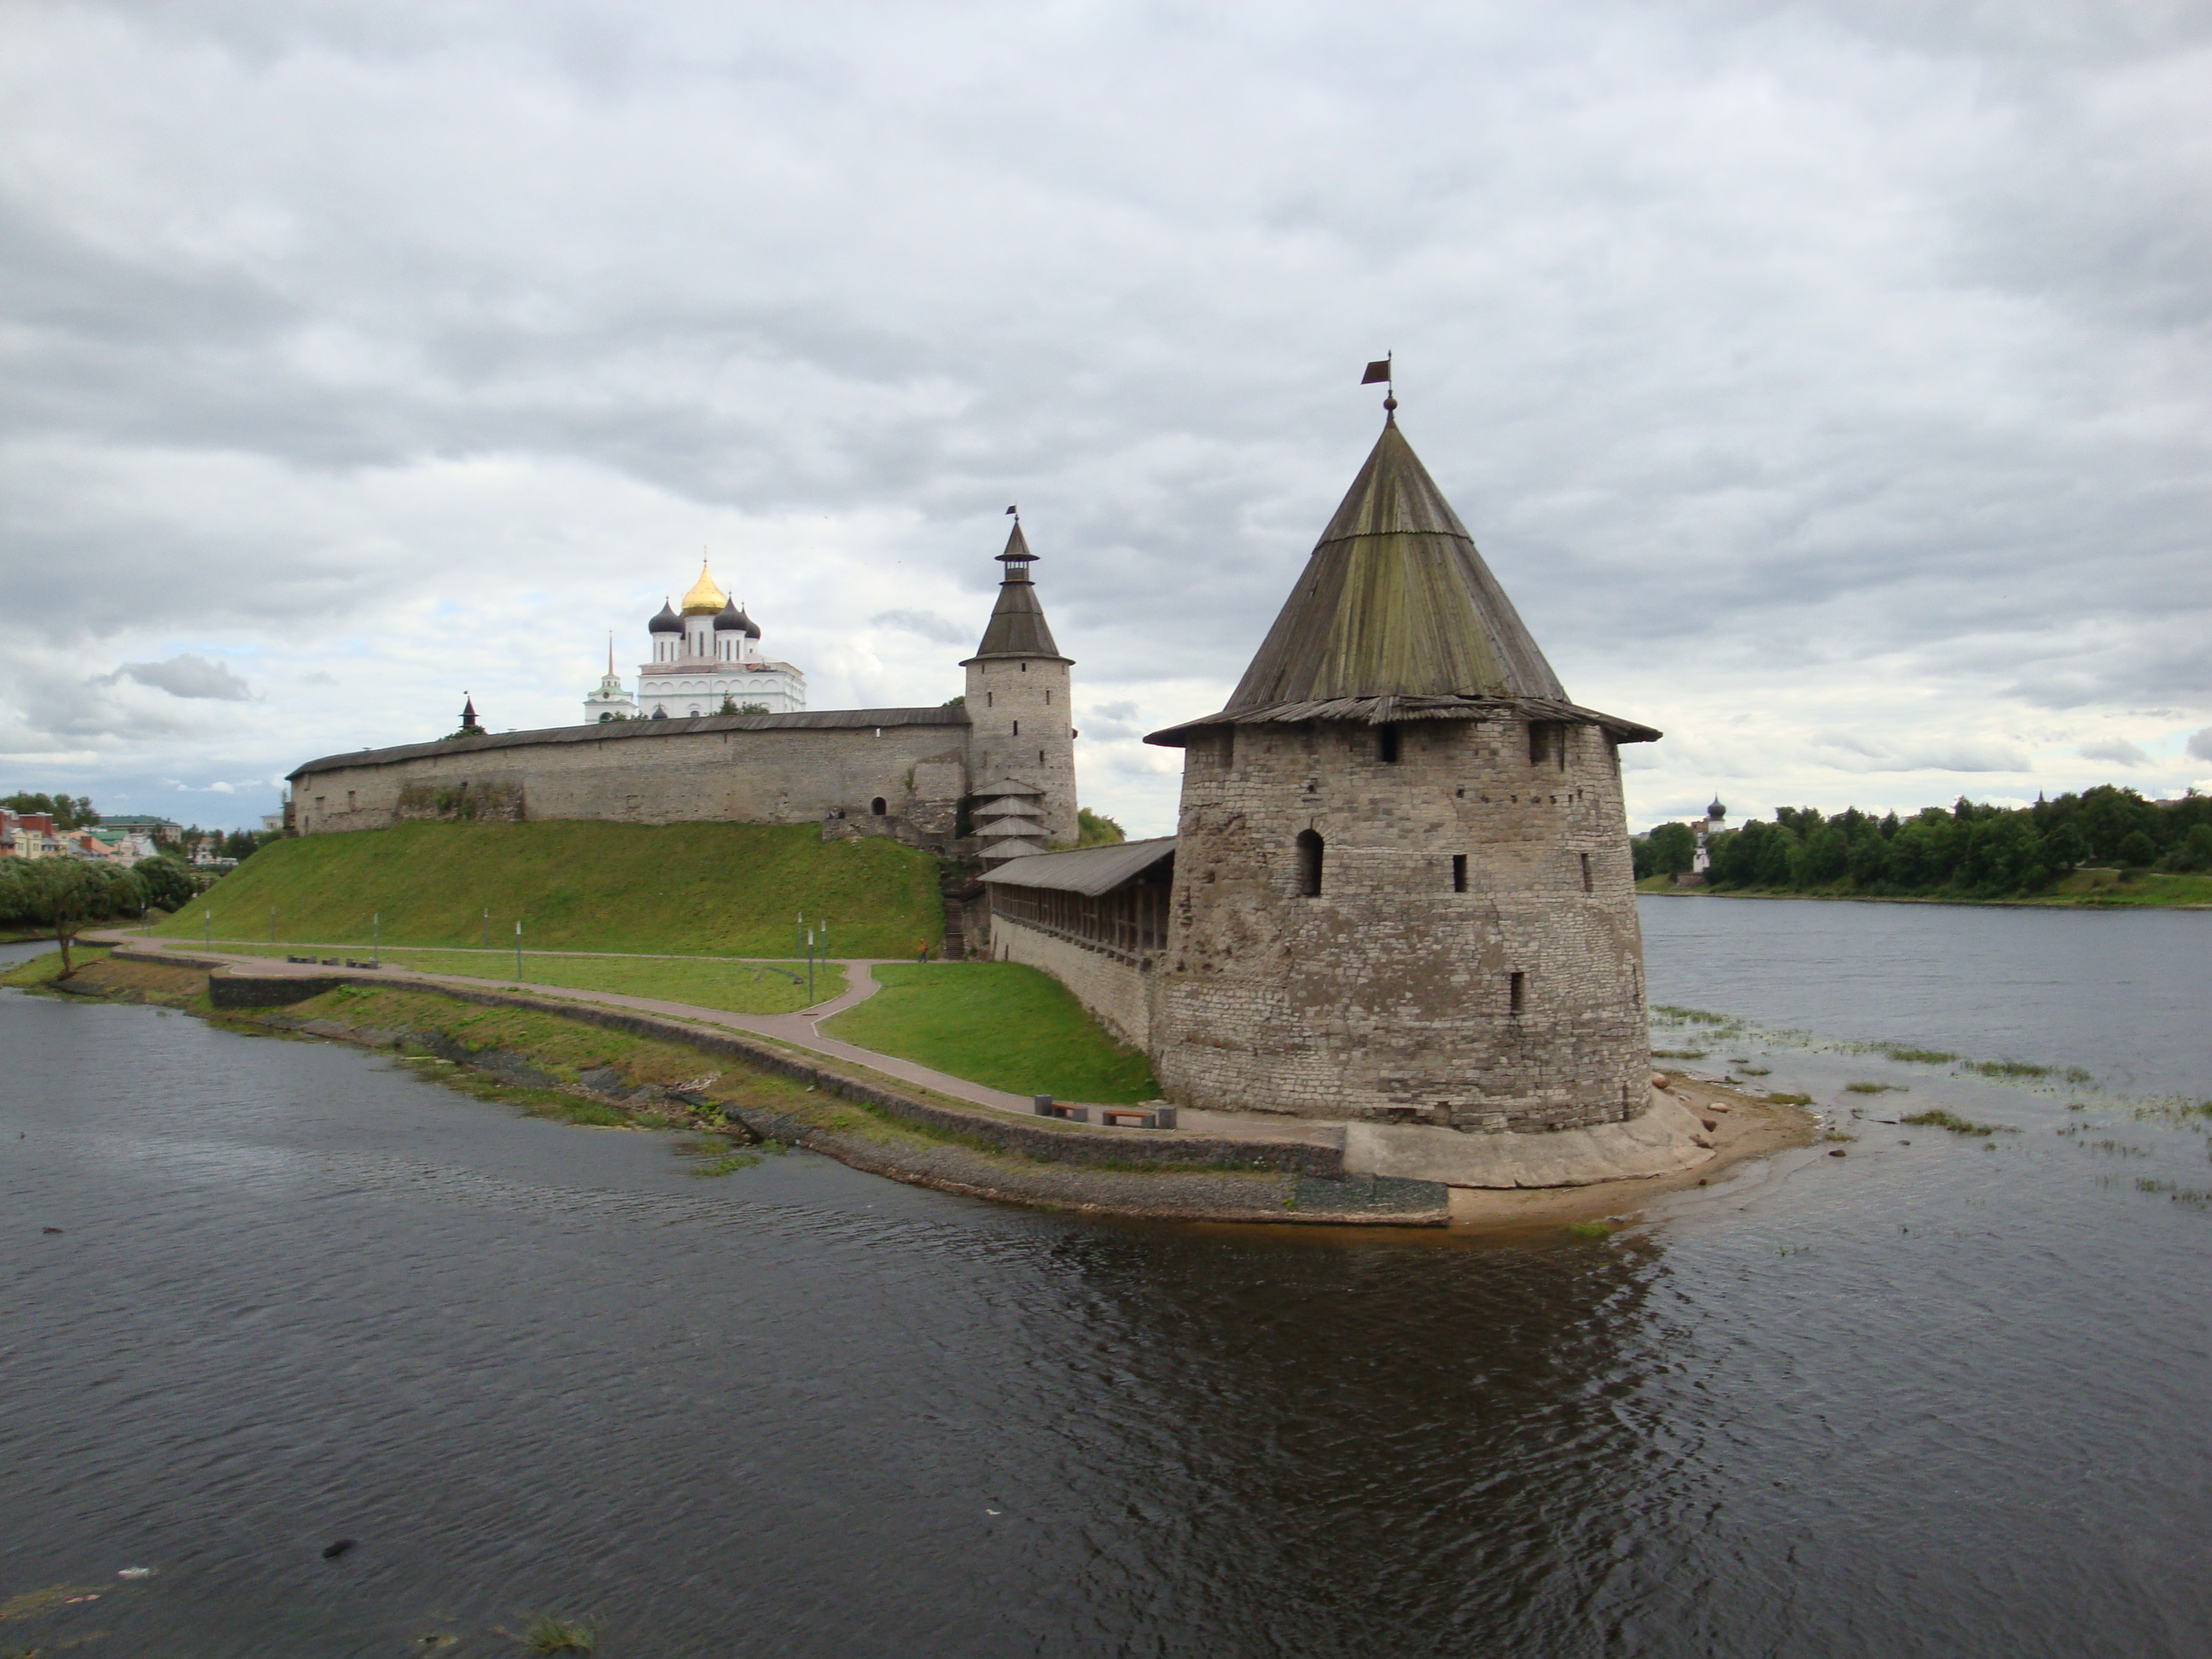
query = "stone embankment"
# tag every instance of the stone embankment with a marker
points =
(826, 1096)
(1171, 1174)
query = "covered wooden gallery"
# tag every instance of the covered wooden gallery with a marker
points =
(1112, 899)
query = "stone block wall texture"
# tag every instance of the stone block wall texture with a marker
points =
(1019, 727)
(1117, 993)
(1389, 996)
(772, 776)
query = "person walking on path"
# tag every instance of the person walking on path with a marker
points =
(922, 955)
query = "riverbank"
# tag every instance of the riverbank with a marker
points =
(2084, 890)
(658, 1066)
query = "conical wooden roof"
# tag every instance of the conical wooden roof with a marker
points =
(1396, 618)
(1395, 602)
(1017, 627)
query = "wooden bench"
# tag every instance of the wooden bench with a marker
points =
(1156, 1115)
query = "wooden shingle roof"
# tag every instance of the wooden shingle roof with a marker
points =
(1396, 617)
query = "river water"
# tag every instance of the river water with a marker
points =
(1923, 1400)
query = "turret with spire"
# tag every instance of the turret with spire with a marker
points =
(1021, 741)
(1402, 884)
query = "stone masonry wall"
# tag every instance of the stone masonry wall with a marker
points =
(1389, 996)
(1117, 993)
(789, 776)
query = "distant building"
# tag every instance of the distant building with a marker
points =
(704, 656)
(157, 829)
(1716, 820)
(29, 835)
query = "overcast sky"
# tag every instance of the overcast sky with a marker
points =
(1828, 384)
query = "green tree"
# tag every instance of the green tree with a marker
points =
(2193, 852)
(1670, 849)
(63, 895)
(1096, 828)
(166, 881)
(2137, 849)
(2065, 848)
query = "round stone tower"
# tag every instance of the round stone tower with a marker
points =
(1402, 883)
(1021, 746)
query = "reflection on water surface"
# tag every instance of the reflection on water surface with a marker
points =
(1924, 1400)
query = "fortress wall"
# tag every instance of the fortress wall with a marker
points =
(787, 775)
(1390, 995)
(1117, 993)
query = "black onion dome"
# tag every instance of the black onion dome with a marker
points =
(729, 616)
(752, 628)
(668, 622)
(1716, 810)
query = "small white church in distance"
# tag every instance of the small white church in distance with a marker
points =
(706, 660)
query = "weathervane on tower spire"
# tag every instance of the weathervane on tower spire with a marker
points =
(1380, 370)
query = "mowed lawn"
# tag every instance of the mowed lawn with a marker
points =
(712, 889)
(998, 1023)
(735, 987)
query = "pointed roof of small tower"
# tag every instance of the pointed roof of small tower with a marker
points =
(1396, 617)
(1395, 602)
(1017, 627)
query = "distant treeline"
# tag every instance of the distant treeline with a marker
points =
(1967, 850)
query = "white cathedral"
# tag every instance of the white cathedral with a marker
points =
(706, 660)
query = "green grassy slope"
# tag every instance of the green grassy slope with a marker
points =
(738, 988)
(998, 1023)
(708, 888)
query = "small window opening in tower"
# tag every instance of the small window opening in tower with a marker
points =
(1048, 696)
(1539, 733)
(1310, 856)
(1459, 872)
(1040, 757)
(1025, 668)
(1017, 728)
(1517, 992)
(1228, 748)
(1387, 745)
(1559, 748)
(1586, 873)
(876, 806)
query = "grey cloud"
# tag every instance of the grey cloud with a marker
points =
(927, 624)
(184, 676)
(1884, 376)
(2118, 750)
(2200, 745)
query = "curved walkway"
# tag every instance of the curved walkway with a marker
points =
(800, 1031)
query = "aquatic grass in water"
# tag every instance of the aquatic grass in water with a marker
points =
(2195, 1197)
(1693, 1016)
(1939, 1118)
(1874, 1088)
(1589, 1230)
(551, 1635)
(1913, 1056)
(1679, 1053)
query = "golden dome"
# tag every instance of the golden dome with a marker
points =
(704, 598)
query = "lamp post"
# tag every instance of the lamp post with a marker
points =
(376, 939)
(810, 967)
(518, 947)
(207, 927)
(487, 928)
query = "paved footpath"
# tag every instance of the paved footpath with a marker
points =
(801, 1029)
